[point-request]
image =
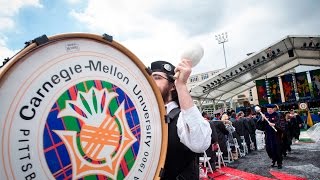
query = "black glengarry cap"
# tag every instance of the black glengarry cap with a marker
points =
(165, 67)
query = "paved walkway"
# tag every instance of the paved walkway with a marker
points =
(301, 164)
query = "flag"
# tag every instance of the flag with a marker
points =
(302, 85)
(274, 90)
(288, 88)
(315, 79)
(262, 91)
(309, 120)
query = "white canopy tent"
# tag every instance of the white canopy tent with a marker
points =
(280, 57)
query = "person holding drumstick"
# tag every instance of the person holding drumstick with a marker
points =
(274, 128)
(188, 132)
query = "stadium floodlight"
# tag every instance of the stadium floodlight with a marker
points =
(222, 38)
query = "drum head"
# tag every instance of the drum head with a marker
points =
(79, 106)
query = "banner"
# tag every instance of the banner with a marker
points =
(274, 90)
(315, 80)
(262, 91)
(302, 86)
(288, 88)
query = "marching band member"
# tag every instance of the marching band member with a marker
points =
(188, 132)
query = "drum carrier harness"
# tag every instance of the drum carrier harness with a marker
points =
(181, 163)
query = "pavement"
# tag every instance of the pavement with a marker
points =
(303, 162)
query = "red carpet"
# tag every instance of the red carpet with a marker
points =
(285, 176)
(227, 173)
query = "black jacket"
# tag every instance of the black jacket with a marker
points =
(181, 162)
(221, 132)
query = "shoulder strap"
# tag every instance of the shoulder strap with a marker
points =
(172, 114)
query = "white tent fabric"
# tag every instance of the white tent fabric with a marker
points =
(314, 132)
(278, 58)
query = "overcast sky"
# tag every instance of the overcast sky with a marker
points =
(159, 29)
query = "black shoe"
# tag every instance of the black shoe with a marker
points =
(279, 166)
(273, 164)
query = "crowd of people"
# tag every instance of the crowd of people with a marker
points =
(189, 134)
(231, 129)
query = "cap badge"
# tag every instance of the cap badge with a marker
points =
(167, 67)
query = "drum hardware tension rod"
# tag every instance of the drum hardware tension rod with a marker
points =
(39, 40)
(5, 62)
(107, 37)
(26, 44)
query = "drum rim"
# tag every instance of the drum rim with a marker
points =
(164, 126)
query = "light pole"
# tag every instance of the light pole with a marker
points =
(222, 38)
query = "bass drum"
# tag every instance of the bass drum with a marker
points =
(78, 106)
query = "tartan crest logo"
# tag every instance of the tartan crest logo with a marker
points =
(101, 137)
(104, 138)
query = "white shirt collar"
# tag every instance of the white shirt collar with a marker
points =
(171, 105)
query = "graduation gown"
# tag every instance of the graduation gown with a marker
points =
(221, 132)
(273, 139)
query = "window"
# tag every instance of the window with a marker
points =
(204, 76)
(193, 79)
